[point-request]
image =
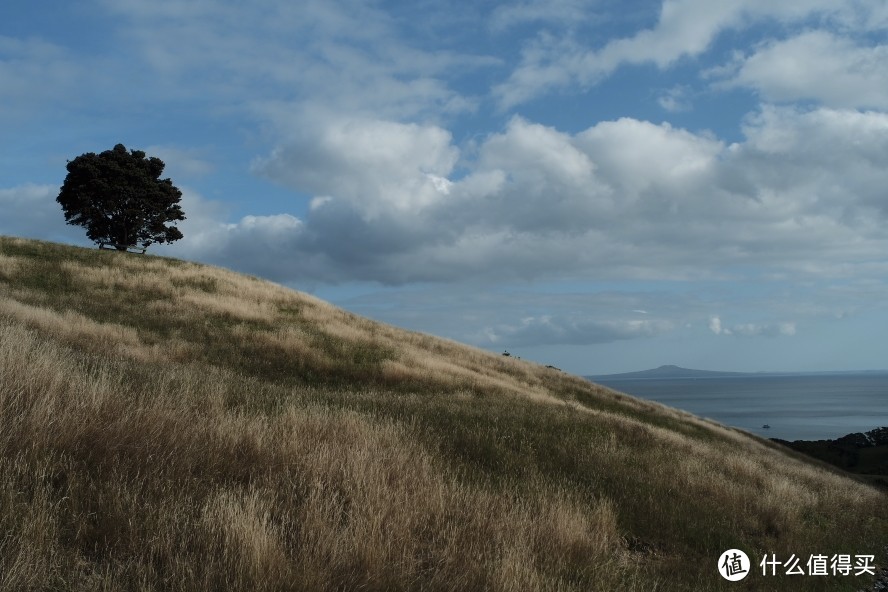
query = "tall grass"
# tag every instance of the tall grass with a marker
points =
(170, 426)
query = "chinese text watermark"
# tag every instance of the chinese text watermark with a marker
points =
(819, 565)
(734, 565)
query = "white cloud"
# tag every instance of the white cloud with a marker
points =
(548, 62)
(29, 195)
(268, 246)
(549, 330)
(346, 55)
(675, 99)
(638, 156)
(685, 29)
(821, 66)
(525, 315)
(31, 211)
(374, 166)
(319, 202)
(803, 195)
(441, 184)
(786, 329)
(820, 168)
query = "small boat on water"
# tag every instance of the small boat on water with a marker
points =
(766, 427)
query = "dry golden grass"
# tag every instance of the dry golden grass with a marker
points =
(308, 499)
(170, 426)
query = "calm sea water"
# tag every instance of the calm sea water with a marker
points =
(797, 407)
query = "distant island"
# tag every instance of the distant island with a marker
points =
(668, 371)
(672, 371)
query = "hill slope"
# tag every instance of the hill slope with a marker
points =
(172, 426)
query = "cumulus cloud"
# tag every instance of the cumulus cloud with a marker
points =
(802, 196)
(396, 203)
(375, 166)
(264, 245)
(820, 66)
(821, 167)
(260, 245)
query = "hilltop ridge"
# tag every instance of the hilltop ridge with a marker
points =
(169, 425)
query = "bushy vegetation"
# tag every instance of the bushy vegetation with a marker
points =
(119, 197)
(171, 426)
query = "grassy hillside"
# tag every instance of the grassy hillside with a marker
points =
(171, 426)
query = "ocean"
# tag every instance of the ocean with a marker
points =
(796, 407)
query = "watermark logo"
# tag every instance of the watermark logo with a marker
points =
(734, 565)
(819, 565)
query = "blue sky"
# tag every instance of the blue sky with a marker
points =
(600, 185)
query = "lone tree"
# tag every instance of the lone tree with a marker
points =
(119, 197)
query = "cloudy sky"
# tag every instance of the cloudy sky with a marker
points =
(601, 185)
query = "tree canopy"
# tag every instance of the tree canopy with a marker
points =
(119, 197)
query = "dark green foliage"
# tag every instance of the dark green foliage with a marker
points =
(119, 197)
(855, 453)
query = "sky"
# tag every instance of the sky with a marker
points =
(599, 185)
